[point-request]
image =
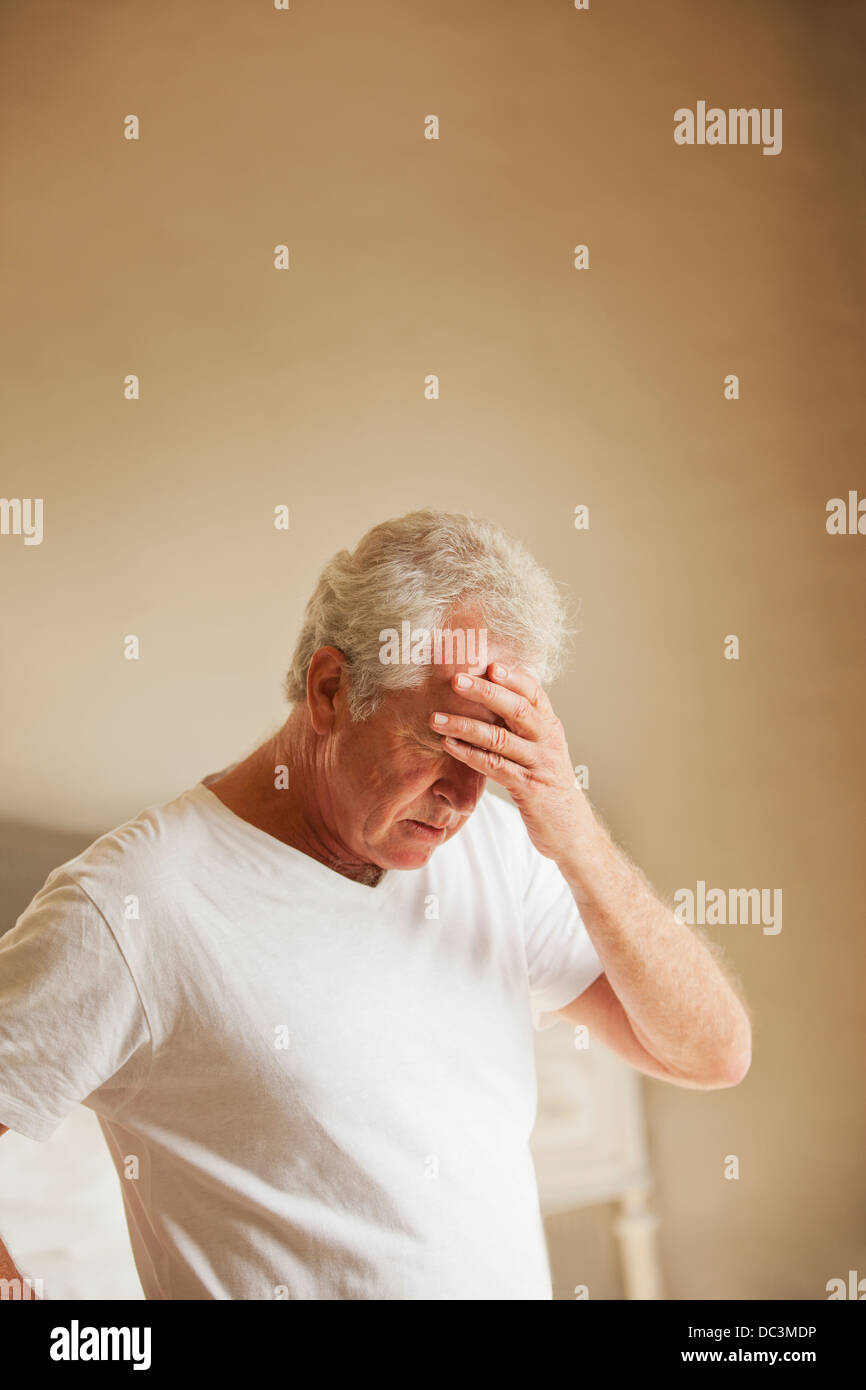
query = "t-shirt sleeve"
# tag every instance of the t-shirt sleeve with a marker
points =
(71, 1019)
(560, 956)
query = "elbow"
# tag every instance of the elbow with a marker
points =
(737, 1068)
(741, 1059)
(728, 1065)
(734, 1062)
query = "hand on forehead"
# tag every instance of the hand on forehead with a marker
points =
(454, 701)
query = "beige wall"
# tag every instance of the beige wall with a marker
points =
(558, 387)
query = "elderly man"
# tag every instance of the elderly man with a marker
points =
(300, 997)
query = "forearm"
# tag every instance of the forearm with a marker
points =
(681, 1006)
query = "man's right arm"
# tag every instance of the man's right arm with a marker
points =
(61, 960)
(8, 1270)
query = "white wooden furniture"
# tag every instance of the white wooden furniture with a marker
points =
(589, 1146)
(62, 1213)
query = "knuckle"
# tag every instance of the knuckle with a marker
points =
(498, 735)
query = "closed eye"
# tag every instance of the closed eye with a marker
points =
(429, 743)
(435, 749)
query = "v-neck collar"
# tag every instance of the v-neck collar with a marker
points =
(283, 856)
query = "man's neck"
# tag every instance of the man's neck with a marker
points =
(249, 791)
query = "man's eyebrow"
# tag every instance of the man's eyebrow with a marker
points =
(429, 738)
(420, 733)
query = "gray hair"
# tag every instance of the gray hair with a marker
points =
(423, 568)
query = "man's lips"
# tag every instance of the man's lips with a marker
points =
(430, 825)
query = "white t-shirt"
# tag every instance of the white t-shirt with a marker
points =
(310, 1088)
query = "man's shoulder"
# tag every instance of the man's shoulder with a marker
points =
(501, 813)
(136, 850)
(500, 832)
(498, 822)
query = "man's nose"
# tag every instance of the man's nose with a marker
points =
(461, 787)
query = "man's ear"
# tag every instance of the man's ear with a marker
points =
(327, 681)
